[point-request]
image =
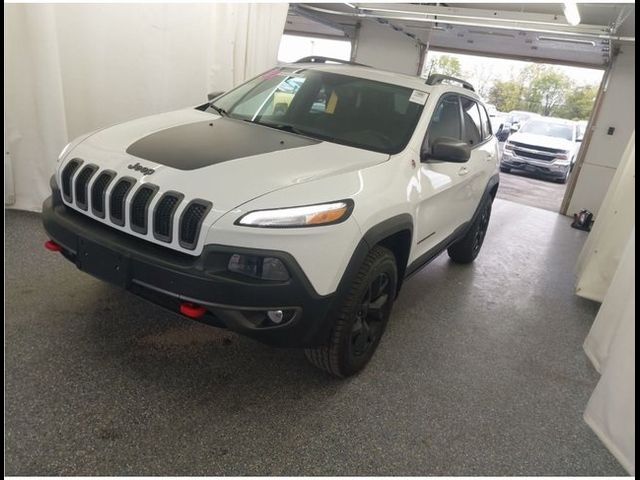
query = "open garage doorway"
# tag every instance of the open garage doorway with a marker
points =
(539, 113)
(294, 47)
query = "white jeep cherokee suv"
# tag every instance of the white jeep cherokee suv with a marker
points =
(289, 209)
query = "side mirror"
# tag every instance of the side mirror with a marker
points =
(448, 150)
(515, 127)
(212, 95)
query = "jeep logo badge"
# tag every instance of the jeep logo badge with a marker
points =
(139, 168)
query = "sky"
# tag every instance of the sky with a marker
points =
(293, 48)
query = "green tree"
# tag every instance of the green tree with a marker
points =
(445, 65)
(546, 89)
(578, 103)
(506, 95)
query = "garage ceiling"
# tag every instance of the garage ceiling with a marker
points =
(536, 32)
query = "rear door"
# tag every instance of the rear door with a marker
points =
(482, 164)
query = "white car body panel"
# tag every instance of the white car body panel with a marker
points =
(265, 173)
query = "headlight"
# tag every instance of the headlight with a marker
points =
(508, 146)
(306, 216)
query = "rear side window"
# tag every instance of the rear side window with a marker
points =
(445, 122)
(472, 125)
(486, 123)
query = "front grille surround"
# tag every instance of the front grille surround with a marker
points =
(191, 222)
(99, 192)
(139, 207)
(123, 201)
(118, 198)
(545, 157)
(66, 176)
(163, 215)
(81, 190)
(537, 147)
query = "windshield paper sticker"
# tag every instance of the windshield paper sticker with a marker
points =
(418, 97)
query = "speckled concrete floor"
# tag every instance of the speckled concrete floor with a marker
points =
(481, 372)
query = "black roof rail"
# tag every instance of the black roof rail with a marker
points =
(319, 59)
(437, 78)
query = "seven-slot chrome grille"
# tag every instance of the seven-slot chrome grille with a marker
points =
(109, 190)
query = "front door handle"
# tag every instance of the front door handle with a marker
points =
(463, 171)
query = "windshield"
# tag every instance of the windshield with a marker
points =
(327, 106)
(548, 129)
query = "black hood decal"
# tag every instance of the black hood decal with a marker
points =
(197, 145)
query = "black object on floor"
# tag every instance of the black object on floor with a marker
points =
(583, 220)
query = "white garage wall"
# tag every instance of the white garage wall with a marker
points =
(605, 151)
(602, 251)
(382, 47)
(74, 68)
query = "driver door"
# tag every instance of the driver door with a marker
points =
(447, 196)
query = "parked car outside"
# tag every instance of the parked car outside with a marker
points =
(513, 122)
(582, 129)
(545, 146)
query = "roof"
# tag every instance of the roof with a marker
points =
(370, 73)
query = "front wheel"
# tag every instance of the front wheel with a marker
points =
(362, 317)
(467, 248)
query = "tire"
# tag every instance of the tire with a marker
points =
(359, 327)
(468, 247)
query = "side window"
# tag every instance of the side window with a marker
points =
(445, 122)
(486, 123)
(472, 125)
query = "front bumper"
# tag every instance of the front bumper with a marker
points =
(169, 278)
(547, 169)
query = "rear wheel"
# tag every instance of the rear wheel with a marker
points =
(467, 248)
(362, 317)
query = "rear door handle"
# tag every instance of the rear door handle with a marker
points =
(463, 171)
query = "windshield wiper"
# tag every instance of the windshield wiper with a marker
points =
(220, 110)
(281, 126)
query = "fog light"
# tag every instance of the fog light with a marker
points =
(265, 268)
(275, 316)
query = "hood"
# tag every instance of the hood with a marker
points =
(225, 161)
(541, 141)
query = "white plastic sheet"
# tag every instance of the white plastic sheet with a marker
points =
(611, 347)
(74, 68)
(606, 273)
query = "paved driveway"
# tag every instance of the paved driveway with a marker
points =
(527, 190)
(535, 192)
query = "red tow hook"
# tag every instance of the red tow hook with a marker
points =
(52, 246)
(191, 310)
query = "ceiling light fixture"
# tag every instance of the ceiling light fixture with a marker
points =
(571, 12)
